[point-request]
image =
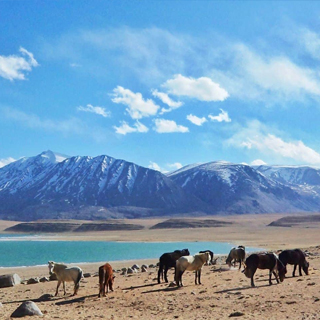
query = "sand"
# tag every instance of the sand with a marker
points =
(224, 292)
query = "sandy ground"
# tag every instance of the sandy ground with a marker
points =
(223, 293)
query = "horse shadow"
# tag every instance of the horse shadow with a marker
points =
(242, 288)
(167, 289)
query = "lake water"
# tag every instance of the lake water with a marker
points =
(22, 250)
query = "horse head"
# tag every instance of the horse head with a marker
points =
(51, 266)
(282, 270)
(185, 252)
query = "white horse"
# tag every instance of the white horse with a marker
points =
(64, 274)
(191, 263)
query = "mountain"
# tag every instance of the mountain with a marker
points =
(85, 188)
(53, 186)
(238, 188)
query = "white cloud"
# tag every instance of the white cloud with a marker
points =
(257, 137)
(166, 99)
(4, 162)
(97, 110)
(154, 166)
(257, 162)
(137, 107)
(125, 128)
(175, 166)
(75, 65)
(203, 89)
(196, 120)
(13, 67)
(168, 126)
(223, 116)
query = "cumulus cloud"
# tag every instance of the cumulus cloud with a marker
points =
(137, 107)
(196, 120)
(97, 110)
(4, 162)
(257, 137)
(203, 89)
(168, 126)
(166, 99)
(125, 128)
(223, 116)
(258, 162)
(14, 67)
(175, 166)
(154, 166)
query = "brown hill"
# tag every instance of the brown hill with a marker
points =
(189, 223)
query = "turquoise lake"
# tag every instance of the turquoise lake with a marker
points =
(19, 251)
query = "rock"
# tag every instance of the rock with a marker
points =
(9, 280)
(44, 279)
(130, 271)
(87, 275)
(152, 265)
(53, 277)
(172, 284)
(27, 308)
(236, 314)
(33, 281)
(135, 267)
(1, 305)
(44, 297)
(144, 268)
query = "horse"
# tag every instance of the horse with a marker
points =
(106, 279)
(264, 261)
(190, 263)
(236, 255)
(295, 257)
(168, 260)
(211, 255)
(64, 274)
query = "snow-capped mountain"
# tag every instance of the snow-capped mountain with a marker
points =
(52, 186)
(41, 182)
(238, 188)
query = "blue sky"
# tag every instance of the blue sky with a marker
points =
(161, 83)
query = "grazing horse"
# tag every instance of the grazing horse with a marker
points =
(190, 263)
(236, 255)
(211, 255)
(64, 274)
(168, 260)
(106, 279)
(295, 257)
(264, 261)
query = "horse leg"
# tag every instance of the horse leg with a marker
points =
(240, 264)
(64, 287)
(196, 276)
(160, 273)
(58, 285)
(300, 272)
(165, 274)
(294, 270)
(276, 276)
(253, 272)
(199, 276)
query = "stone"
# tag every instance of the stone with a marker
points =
(27, 308)
(87, 275)
(130, 271)
(135, 267)
(9, 280)
(44, 279)
(33, 281)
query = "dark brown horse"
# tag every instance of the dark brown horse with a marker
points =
(264, 261)
(295, 257)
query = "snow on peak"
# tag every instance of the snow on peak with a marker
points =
(53, 157)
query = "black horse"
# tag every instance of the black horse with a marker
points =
(168, 260)
(295, 257)
(264, 261)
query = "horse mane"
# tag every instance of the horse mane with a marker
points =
(59, 266)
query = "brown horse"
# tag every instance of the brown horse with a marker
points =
(264, 261)
(106, 279)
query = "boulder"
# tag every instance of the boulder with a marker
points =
(9, 280)
(87, 275)
(27, 308)
(135, 267)
(144, 268)
(130, 271)
(33, 281)
(44, 279)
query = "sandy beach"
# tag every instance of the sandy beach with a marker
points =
(223, 293)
